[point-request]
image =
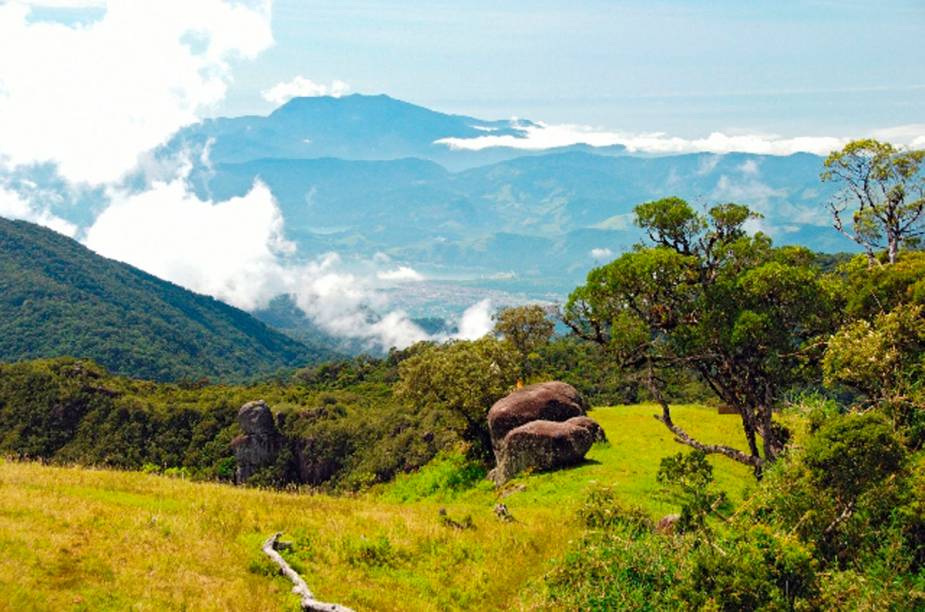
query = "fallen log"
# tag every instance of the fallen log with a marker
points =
(309, 603)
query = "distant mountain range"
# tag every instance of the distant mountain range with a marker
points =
(59, 298)
(368, 175)
(365, 174)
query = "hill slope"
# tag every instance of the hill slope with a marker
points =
(59, 298)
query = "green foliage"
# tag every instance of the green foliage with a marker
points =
(609, 571)
(758, 570)
(851, 454)
(882, 357)
(603, 510)
(527, 329)
(749, 319)
(446, 475)
(374, 552)
(839, 525)
(58, 298)
(870, 290)
(73, 411)
(461, 379)
(879, 353)
(691, 476)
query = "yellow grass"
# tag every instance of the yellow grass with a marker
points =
(81, 539)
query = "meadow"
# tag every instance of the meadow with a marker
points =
(86, 539)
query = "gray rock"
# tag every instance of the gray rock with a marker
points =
(667, 524)
(260, 443)
(540, 446)
(548, 401)
(597, 432)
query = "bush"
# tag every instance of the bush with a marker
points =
(850, 454)
(623, 568)
(602, 510)
(758, 570)
(691, 476)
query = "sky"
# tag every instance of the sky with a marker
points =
(89, 87)
(794, 68)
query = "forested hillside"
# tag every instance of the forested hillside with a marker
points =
(59, 298)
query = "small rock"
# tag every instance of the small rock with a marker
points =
(667, 524)
(503, 513)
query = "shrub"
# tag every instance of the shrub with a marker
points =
(758, 570)
(852, 453)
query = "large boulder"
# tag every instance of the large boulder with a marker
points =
(541, 445)
(260, 443)
(548, 401)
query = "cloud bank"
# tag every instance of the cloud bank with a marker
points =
(236, 251)
(90, 100)
(541, 136)
(93, 97)
(300, 87)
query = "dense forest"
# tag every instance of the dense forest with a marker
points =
(58, 298)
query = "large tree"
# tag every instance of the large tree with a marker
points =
(527, 329)
(883, 189)
(461, 378)
(748, 318)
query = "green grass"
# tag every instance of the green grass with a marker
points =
(628, 463)
(78, 539)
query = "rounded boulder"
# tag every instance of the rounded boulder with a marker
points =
(548, 401)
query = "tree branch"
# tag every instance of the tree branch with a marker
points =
(682, 437)
(308, 601)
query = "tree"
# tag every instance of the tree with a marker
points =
(879, 352)
(463, 378)
(748, 318)
(527, 329)
(885, 189)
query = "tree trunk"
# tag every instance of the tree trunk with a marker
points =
(308, 601)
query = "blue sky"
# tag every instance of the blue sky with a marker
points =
(688, 68)
(770, 77)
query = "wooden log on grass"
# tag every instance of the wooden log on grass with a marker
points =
(299, 587)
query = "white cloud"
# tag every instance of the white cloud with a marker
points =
(236, 251)
(92, 97)
(400, 274)
(541, 136)
(229, 250)
(912, 134)
(66, 4)
(475, 321)
(749, 167)
(14, 206)
(601, 253)
(707, 164)
(301, 87)
(774, 203)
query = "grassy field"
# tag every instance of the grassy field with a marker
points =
(80, 539)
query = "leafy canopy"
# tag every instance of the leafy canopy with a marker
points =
(748, 318)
